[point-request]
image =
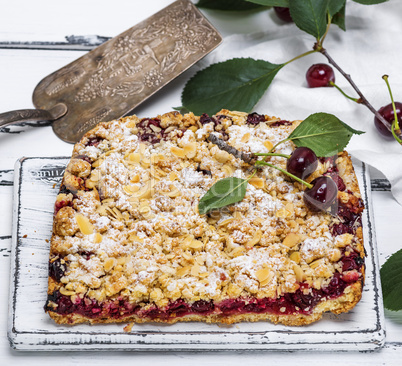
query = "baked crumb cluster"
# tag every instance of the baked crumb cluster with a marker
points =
(127, 226)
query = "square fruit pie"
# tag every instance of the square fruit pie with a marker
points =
(134, 240)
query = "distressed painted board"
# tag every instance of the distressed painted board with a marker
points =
(29, 328)
(83, 25)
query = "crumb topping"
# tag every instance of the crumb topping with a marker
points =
(133, 229)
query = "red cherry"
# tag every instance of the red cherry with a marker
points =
(322, 195)
(302, 163)
(319, 75)
(283, 14)
(388, 113)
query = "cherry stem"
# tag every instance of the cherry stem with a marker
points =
(357, 100)
(362, 99)
(280, 142)
(395, 135)
(320, 42)
(395, 125)
(272, 154)
(308, 185)
(252, 175)
(300, 56)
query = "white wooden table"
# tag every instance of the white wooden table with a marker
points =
(37, 38)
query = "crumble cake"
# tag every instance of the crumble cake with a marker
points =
(129, 245)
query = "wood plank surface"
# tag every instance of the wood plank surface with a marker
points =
(36, 183)
(84, 24)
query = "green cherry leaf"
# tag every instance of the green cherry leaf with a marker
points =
(229, 5)
(370, 2)
(310, 16)
(391, 281)
(334, 6)
(282, 3)
(323, 133)
(236, 84)
(181, 110)
(339, 18)
(223, 193)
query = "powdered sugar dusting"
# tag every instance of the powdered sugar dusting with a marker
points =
(150, 244)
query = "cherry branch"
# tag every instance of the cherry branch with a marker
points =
(252, 159)
(247, 158)
(362, 99)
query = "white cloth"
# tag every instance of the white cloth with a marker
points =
(370, 48)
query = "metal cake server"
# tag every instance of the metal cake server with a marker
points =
(115, 77)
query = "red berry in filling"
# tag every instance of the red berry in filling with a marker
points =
(387, 112)
(178, 308)
(322, 195)
(319, 75)
(60, 204)
(350, 219)
(86, 255)
(255, 118)
(231, 306)
(336, 286)
(352, 261)
(302, 163)
(202, 306)
(204, 119)
(338, 180)
(94, 141)
(83, 157)
(220, 117)
(350, 276)
(280, 123)
(64, 189)
(331, 160)
(150, 130)
(57, 269)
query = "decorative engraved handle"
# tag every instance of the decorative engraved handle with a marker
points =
(22, 115)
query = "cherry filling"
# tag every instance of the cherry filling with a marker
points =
(338, 180)
(88, 307)
(86, 255)
(57, 269)
(204, 119)
(65, 190)
(150, 130)
(255, 118)
(94, 141)
(217, 121)
(83, 157)
(349, 214)
(351, 262)
(203, 307)
(280, 123)
(63, 203)
(350, 219)
(331, 160)
(301, 301)
(220, 117)
(60, 204)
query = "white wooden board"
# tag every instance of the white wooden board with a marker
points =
(29, 328)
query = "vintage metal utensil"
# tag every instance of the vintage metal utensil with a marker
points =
(114, 78)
